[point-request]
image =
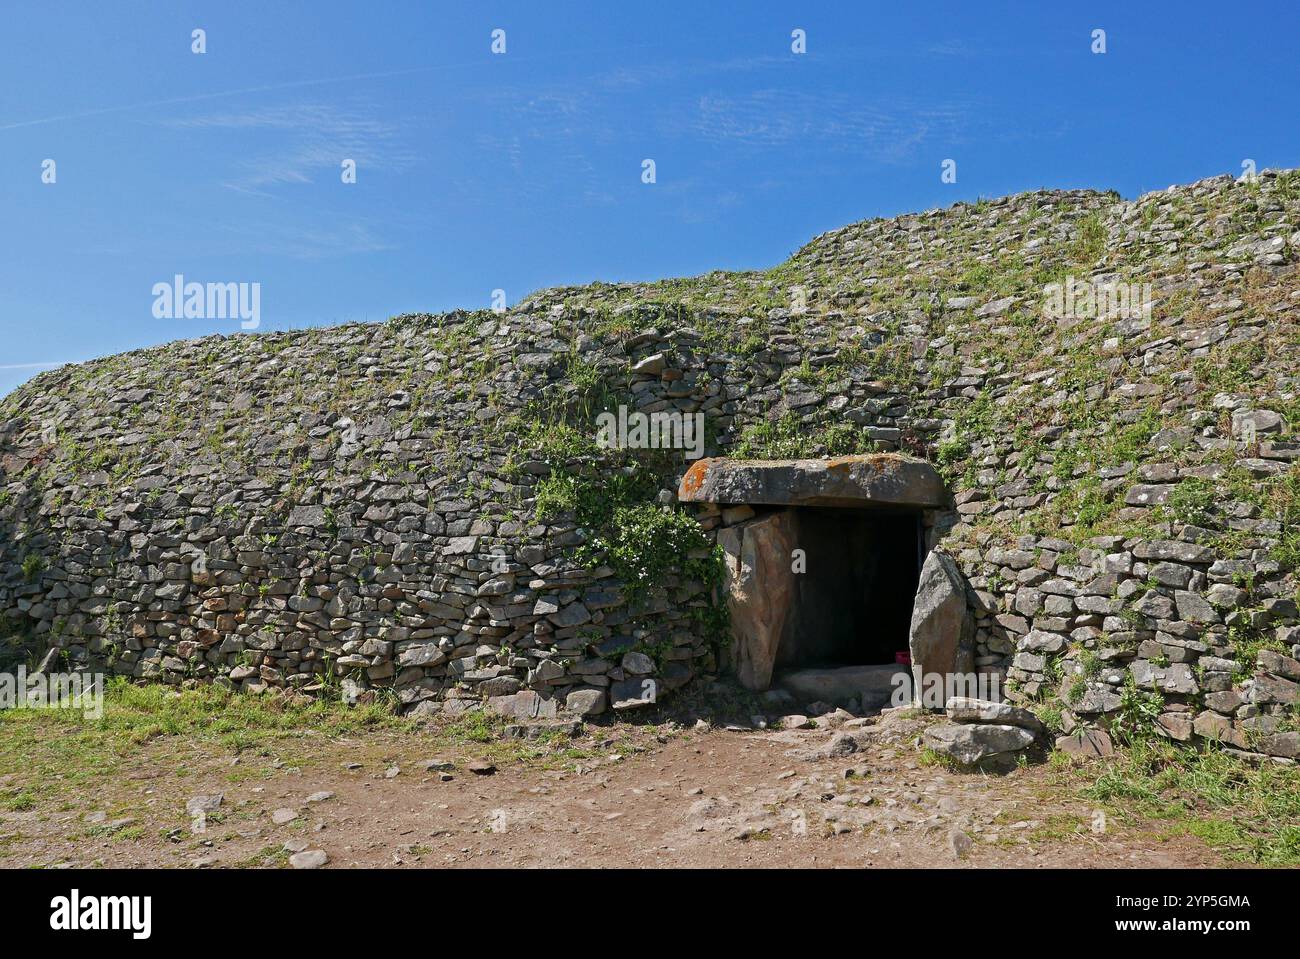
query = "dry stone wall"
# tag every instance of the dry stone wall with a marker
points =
(395, 548)
(415, 506)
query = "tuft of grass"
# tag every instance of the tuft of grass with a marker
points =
(933, 758)
(786, 438)
(32, 566)
(268, 857)
(18, 800)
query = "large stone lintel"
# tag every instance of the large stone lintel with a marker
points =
(887, 479)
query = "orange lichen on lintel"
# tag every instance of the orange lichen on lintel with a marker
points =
(694, 477)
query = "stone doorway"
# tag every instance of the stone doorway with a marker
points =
(852, 604)
(824, 558)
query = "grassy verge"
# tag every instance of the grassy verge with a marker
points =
(53, 757)
(1249, 814)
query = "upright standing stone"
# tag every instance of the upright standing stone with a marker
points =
(942, 633)
(760, 590)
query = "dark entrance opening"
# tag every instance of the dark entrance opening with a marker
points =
(853, 604)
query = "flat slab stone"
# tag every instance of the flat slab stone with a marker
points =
(873, 686)
(963, 709)
(845, 481)
(633, 693)
(973, 743)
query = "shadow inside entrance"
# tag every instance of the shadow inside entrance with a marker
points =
(851, 609)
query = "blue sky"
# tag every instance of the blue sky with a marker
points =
(478, 171)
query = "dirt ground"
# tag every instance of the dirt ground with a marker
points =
(624, 796)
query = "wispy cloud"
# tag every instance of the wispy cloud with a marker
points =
(215, 95)
(272, 238)
(778, 118)
(591, 111)
(311, 138)
(446, 67)
(952, 47)
(655, 72)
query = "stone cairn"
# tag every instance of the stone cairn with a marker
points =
(358, 508)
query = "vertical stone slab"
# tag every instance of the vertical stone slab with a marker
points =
(942, 632)
(760, 591)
